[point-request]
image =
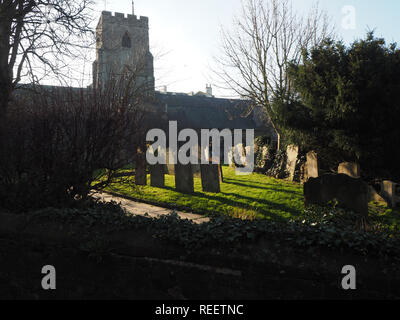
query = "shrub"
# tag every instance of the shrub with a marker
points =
(53, 141)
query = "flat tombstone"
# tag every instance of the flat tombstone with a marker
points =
(312, 170)
(292, 153)
(140, 169)
(184, 178)
(389, 192)
(349, 168)
(157, 176)
(210, 178)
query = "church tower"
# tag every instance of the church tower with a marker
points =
(122, 46)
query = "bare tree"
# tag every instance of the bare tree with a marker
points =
(267, 36)
(56, 143)
(39, 32)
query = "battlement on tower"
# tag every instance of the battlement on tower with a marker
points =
(121, 18)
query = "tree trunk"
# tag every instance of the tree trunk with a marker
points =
(4, 99)
(279, 141)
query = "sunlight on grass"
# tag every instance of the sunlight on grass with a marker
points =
(254, 196)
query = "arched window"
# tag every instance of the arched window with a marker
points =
(126, 41)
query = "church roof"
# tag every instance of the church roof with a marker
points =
(201, 112)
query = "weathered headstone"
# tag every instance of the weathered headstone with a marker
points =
(292, 153)
(264, 156)
(391, 192)
(312, 169)
(350, 193)
(375, 196)
(237, 157)
(184, 178)
(210, 178)
(140, 169)
(231, 159)
(157, 176)
(350, 168)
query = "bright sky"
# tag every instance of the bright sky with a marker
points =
(187, 31)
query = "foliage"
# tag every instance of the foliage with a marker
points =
(347, 107)
(55, 139)
(260, 158)
(39, 38)
(253, 63)
(278, 165)
(225, 232)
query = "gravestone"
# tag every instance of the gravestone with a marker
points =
(170, 166)
(375, 196)
(391, 192)
(352, 194)
(210, 178)
(231, 159)
(264, 157)
(140, 169)
(238, 153)
(157, 176)
(350, 168)
(184, 178)
(311, 169)
(292, 153)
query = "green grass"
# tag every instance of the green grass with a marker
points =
(254, 196)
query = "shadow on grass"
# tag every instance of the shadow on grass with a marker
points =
(241, 205)
(231, 181)
(271, 205)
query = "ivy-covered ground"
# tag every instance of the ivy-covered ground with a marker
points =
(253, 196)
(132, 257)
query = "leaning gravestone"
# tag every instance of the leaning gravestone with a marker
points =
(210, 178)
(157, 176)
(184, 178)
(140, 169)
(311, 168)
(292, 153)
(349, 168)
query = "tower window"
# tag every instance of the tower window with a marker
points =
(126, 41)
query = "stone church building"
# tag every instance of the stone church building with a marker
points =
(123, 45)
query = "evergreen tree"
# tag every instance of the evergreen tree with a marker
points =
(346, 105)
